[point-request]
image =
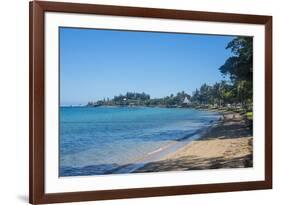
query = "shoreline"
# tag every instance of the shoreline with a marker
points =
(223, 143)
(167, 149)
(227, 144)
(154, 155)
(158, 154)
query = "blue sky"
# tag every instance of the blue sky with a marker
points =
(96, 64)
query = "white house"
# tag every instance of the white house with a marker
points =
(186, 101)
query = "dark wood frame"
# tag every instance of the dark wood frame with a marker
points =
(37, 194)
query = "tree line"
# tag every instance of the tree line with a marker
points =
(142, 99)
(238, 91)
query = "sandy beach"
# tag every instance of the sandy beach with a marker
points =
(227, 144)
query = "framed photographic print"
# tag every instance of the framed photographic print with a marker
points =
(140, 102)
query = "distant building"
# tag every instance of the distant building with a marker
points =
(186, 101)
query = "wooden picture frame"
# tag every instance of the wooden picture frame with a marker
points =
(37, 98)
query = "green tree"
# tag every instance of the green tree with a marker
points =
(239, 68)
(240, 65)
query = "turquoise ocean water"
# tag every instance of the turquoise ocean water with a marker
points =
(103, 140)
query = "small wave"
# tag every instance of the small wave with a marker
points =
(153, 152)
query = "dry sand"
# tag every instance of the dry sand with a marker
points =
(226, 145)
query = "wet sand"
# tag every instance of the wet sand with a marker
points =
(226, 145)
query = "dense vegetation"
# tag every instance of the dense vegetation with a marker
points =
(236, 92)
(143, 99)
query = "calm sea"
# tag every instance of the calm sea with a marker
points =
(101, 140)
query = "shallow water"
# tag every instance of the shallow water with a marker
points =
(103, 139)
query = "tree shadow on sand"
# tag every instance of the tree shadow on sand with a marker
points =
(178, 164)
(229, 130)
(194, 163)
